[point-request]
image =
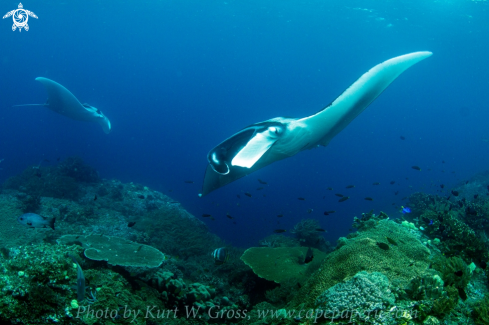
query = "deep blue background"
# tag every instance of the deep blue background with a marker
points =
(178, 77)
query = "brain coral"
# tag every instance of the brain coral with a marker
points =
(407, 258)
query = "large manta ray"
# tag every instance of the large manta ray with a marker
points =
(263, 143)
(62, 101)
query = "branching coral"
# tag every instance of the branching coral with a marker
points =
(455, 272)
(306, 231)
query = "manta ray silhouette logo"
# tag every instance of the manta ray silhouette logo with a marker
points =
(20, 17)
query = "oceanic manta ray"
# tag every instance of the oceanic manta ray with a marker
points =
(263, 143)
(62, 101)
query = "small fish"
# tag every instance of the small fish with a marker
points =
(455, 193)
(310, 210)
(405, 210)
(139, 248)
(402, 137)
(343, 199)
(227, 215)
(58, 158)
(442, 186)
(392, 241)
(392, 182)
(309, 256)
(467, 182)
(369, 198)
(396, 192)
(95, 198)
(326, 213)
(483, 265)
(205, 215)
(279, 231)
(476, 196)
(320, 230)
(280, 215)
(350, 186)
(431, 222)
(383, 246)
(332, 211)
(262, 182)
(239, 197)
(338, 194)
(301, 199)
(459, 273)
(376, 183)
(330, 188)
(248, 194)
(189, 182)
(131, 224)
(416, 167)
(259, 189)
(220, 255)
(33, 220)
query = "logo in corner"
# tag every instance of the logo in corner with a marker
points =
(20, 17)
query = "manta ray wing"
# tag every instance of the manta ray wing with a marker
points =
(330, 121)
(255, 152)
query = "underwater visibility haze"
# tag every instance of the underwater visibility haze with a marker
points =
(181, 170)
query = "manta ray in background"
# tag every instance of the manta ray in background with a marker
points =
(62, 101)
(263, 143)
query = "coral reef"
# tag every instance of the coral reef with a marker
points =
(428, 267)
(364, 293)
(454, 273)
(448, 222)
(368, 220)
(36, 288)
(307, 233)
(116, 250)
(12, 233)
(400, 263)
(282, 263)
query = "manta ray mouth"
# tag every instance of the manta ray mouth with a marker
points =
(219, 165)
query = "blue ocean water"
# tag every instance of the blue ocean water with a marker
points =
(177, 77)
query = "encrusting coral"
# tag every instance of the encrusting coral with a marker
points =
(399, 263)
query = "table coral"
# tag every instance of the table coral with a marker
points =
(116, 250)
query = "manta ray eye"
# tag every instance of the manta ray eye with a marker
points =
(274, 130)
